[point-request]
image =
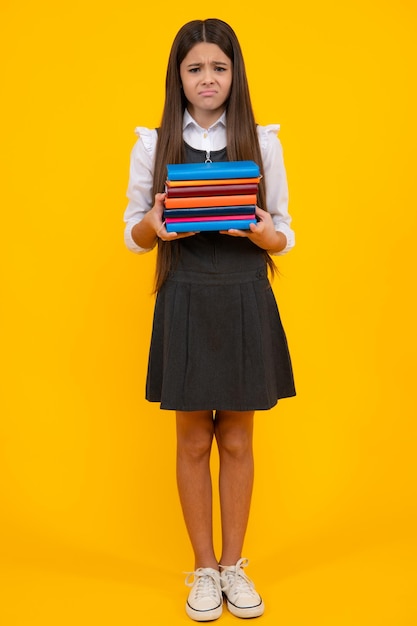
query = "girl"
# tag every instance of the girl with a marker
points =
(218, 350)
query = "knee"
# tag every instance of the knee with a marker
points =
(235, 443)
(196, 446)
(195, 432)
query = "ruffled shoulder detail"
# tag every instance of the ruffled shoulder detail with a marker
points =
(266, 133)
(148, 136)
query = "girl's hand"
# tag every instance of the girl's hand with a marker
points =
(156, 215)
(152, 227)
(263, 233)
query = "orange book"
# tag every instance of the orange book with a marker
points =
(177, 203)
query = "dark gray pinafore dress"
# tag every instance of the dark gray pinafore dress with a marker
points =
(217, 339)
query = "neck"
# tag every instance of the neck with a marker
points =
(205, 119)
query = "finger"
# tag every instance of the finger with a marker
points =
(160, 202)
(234, 232)
(175, 235)
(257, 228)
(182, 235)
(161, 230)
(260, 212)
(172, 236)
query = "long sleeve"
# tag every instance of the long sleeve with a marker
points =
(276, 182)
(139, 190)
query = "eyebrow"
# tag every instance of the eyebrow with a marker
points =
(213, 63)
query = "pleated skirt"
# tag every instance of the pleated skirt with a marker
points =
(218, 343)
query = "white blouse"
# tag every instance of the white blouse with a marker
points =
(139, 191)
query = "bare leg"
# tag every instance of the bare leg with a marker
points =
(234, 435)
(195, 432)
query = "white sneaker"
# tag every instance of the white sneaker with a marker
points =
(242, 598)
(205, 601)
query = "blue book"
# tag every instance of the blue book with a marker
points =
(234, 209)
(213, 171)
(193, 227)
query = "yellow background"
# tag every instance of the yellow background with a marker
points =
(91, 530)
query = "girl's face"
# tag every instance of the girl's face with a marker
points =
(206, 75)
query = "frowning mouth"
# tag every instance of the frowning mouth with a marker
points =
(208, 92)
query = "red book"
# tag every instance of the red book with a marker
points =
(178, 203)
(211, 190)
(218, 218)
(233, 209)
(219, 181)
(189, 227)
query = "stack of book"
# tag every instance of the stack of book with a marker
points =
(211, 196)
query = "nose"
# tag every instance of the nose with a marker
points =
(208, 78)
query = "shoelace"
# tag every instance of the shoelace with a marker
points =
(206, 583)
(238, 582)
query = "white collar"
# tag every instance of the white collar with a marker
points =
(188, 120)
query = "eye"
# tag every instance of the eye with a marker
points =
(194, 70)
(219, 68)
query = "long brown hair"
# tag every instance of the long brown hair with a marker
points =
(242, 139)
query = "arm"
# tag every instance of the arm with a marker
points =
(273, 232)
(145, 232)
(139, 191)
(143, 215)
(276, 185)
